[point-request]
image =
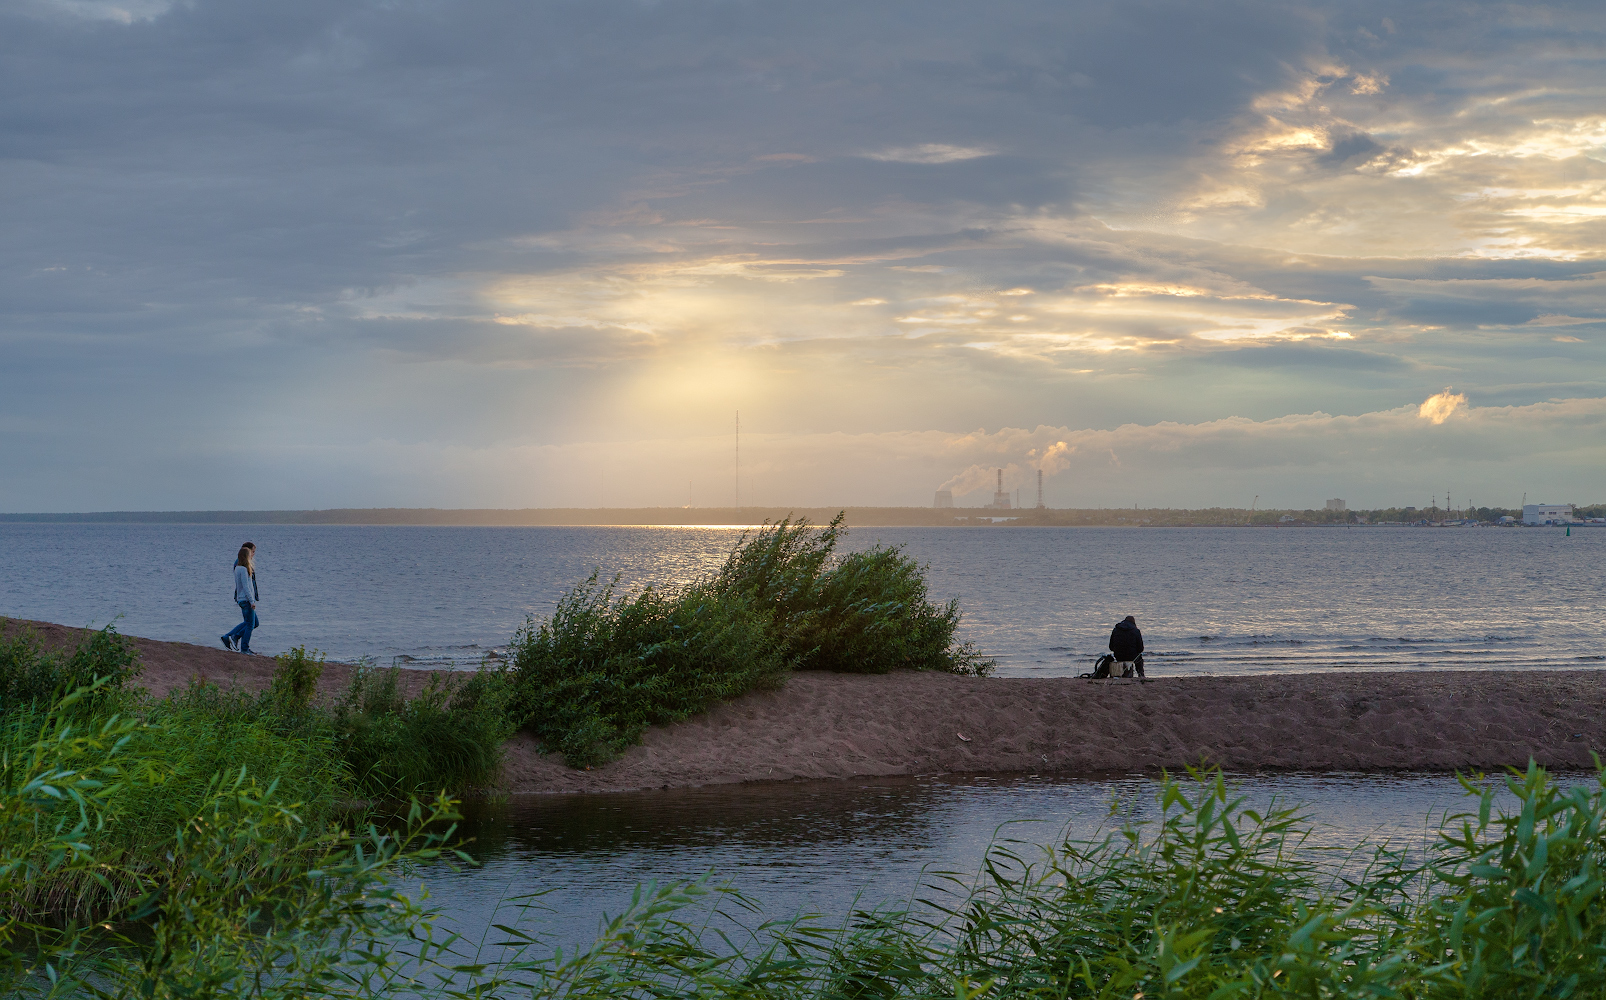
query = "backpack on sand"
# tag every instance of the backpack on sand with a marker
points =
(1107, 667)
(1101, 669)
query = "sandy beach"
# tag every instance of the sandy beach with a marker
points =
(838, 725)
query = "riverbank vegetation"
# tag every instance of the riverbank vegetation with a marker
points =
(1211, 900)
(591, 678)
(174, 753)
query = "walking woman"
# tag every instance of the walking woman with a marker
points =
(245, 595)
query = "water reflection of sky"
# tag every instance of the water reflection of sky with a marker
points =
(831, 847)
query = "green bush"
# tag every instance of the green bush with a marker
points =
(253, 901)
(179, 747)
(448, 737)
(778, 569)
(867, 612)
(604, 668)
(870, 615)
(295, 680)
(30, 675)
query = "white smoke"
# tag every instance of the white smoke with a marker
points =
(1056, 458)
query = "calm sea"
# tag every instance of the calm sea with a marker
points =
(1040, 600)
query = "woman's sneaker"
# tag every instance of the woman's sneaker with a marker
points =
(228, 643)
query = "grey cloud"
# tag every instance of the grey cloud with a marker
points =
(1350, 149)
(224, 193)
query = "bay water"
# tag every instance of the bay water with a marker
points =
(1039, 600)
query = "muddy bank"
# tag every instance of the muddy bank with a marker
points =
(837, 725)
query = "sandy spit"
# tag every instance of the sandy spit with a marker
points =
(838, 725)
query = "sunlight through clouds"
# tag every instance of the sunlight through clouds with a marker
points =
(1144, 248)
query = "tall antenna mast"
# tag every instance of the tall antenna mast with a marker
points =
(738, 459)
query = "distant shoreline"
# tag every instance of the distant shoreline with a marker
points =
(822, 725)
(913, 517)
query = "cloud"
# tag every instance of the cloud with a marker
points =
(1439, 407)
(932, 152)
(454, 232)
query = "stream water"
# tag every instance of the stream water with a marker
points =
(831, 847)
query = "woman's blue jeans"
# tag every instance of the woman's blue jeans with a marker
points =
(242, 631)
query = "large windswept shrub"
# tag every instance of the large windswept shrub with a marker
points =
(867, 612)
(605, 667)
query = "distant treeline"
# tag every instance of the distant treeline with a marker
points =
(855, 516)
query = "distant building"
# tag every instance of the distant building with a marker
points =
(945, 498)
(1336, 505)
(1547, 513)
(1285, 518)
(1000, 496)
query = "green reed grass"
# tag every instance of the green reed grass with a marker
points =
(448, 737)
(31, 675)
(591, 678)
(372, 744)
(253, 901)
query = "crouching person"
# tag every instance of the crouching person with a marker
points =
(1126, 644)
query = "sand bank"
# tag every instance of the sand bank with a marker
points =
(837, 726)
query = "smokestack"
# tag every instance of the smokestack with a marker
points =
(1039, 489)
(1000, 480)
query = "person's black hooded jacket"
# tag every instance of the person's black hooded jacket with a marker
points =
(1126, 642)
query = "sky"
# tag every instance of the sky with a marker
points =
(288, 255)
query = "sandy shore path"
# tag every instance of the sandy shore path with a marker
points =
(839, 725)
